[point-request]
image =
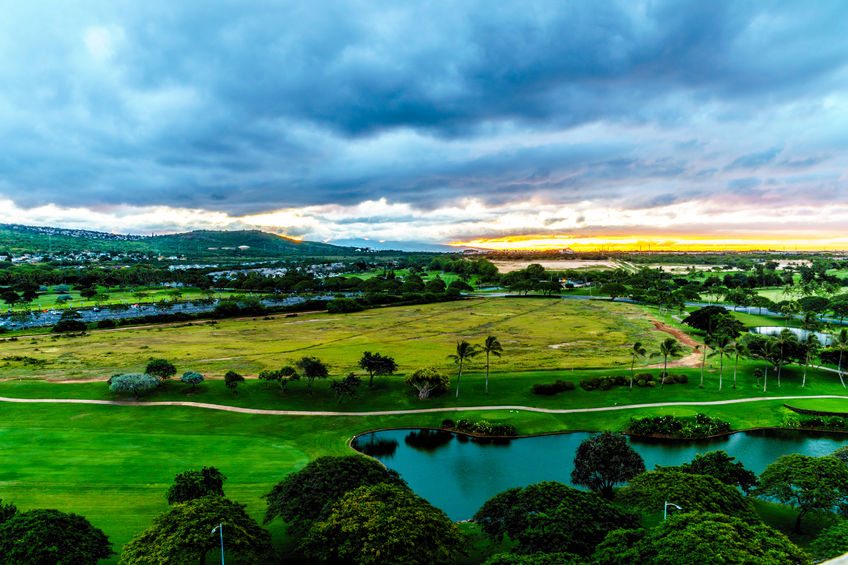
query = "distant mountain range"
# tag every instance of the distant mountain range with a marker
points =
(20, 239)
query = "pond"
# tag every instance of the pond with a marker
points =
(801, 334)
(458, 475)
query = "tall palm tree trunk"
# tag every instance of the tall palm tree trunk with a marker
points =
(703, 363)
(665, 370)
(632, 363)
(721, 369)
(487, 372)
(765, 380)
(459, 378)
(839, 368)
(735, 365)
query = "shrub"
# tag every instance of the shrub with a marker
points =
(232, 380)
(484, 428)
(344, 306)
(604, 383)
(106, 324)
(69, 326)
(672, 426)
(549, 389)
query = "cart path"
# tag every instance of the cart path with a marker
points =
(269, 412)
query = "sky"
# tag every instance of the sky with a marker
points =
(495, 124)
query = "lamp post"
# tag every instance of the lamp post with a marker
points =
(220, 529)
(665, 510)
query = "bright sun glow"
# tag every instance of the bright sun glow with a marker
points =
(654, 243)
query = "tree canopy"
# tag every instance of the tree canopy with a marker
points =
(700, 537)
(193, 484)
(722, 466)
(831, 542)
(605, 460)
(133, 383)
(183, 534)
(50, 536)
(312, 368)
(161, 368)
(377, 364)
(428, 381)
(551, 517)
(650, 490)
(384, 523)
(304, 494)
(806, 482)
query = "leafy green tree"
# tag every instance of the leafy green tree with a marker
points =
(464, 352)
(427, 381)
(312, 368)
(558, 558)
(613, 290)
(7, 510)
(551, 517)
(161, 368)
(841, 454)
(491, 347)
(10, 297)
(136, 384)
(346, 387)
(183, 534)
(49, 536)
(808, 483)
(304, 494)
(232, 380)
(636, 351)
(281, 376)
(192, 378)
(722, 466)
(832, 542)
(694, 493)
(193, 484)
(700, 537)
(670, 347)
(377, 364)
(384, 523)
(605, 460)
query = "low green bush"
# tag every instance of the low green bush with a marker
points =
(483, 428)
(556, 387)
(699, 426)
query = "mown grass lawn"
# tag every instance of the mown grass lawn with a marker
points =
(536, 333)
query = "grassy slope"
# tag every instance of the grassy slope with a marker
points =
(595, 334)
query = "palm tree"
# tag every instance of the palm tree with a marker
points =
(840, 342)
(491, 347)
(638, 350)
(722, 345)
(670, 347)
(784, 338)
(738, 349)
(811, 347)
(464, 351)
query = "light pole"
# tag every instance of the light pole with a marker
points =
(220, 529)
(665, 512)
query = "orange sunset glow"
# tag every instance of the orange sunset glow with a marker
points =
(686, 242)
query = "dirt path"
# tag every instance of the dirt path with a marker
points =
(691, 360)
(266, 412)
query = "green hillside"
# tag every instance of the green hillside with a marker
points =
(193, 245)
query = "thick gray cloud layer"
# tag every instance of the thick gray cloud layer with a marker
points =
(247, 107)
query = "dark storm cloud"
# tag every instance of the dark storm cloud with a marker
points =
(244, 107)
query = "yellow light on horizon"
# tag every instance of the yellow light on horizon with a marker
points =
(669, 242)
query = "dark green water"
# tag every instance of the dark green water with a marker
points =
(458, 475)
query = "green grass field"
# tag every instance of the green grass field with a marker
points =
(113, 464)
(536, 334)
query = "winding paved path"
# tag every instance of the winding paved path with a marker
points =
(242, 410)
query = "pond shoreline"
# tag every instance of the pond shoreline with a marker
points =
(635, 437)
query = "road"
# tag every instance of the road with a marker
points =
(261, 411)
